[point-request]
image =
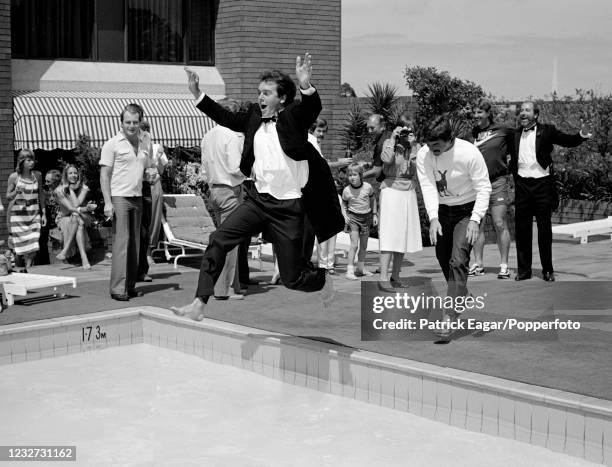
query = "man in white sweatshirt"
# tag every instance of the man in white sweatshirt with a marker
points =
(456, 189)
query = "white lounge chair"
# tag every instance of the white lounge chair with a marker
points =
(585, 229)
(187, 225)
(20, 284)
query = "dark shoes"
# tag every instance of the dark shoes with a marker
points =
(124, 297)
(522, 277)
(229, 297)
(548, 276)
(386, 286)
(120, 297)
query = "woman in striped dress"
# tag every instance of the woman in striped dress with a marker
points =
(26, 210)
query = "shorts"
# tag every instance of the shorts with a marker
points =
(360, 223)
(500, 194)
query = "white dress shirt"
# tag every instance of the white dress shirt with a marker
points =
(274, 172)
(528, 166)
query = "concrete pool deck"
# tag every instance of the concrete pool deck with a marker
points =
(573, 361)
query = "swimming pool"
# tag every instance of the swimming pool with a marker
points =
(144, 405)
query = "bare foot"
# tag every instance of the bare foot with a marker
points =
(195, 310)
(327, 293)
(86, 266)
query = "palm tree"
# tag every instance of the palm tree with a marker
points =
(382, 99)
(354, 128)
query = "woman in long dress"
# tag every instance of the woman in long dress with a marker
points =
(26, 210)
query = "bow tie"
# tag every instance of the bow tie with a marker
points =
(268, 119)
(527, 130)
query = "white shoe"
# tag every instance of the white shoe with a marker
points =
(365, 273)
(351, 276)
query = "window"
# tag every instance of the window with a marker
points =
(162, 31)
(52, 28)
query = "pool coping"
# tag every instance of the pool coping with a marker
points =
(565, 422)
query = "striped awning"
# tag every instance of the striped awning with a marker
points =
(55, 119)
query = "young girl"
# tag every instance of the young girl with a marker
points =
(360, 210)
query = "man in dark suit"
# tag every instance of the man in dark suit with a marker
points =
(535, 190)
(290, 180)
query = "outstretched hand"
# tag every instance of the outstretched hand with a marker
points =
(586, 129)
(303, 70)
(193, 82)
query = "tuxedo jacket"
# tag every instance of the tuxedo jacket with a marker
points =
(319, 196)
(546, 137)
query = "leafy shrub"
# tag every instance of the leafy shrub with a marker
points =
(583, 172)
(437, 92)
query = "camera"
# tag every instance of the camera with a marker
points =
(404, 132)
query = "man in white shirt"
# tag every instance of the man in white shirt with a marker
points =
(123, 161)
(534, 184)
(221, 153)
(290, 180)
(456, 189)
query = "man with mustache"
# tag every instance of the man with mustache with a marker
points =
(535, 191)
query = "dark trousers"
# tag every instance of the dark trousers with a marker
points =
(145, 229)
(533, 197)
(282, 222)
(453, 248)
(243, 262)
(126, 243)
(309, 239)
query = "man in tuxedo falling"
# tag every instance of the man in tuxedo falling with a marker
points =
(535, 190)
(290, 178)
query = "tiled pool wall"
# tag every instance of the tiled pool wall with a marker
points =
(576, 425)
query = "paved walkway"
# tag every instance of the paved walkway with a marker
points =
(576, 361)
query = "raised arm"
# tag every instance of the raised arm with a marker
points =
(233, 121)
(307, 111)
(387, 154)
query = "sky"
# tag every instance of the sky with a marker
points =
(508, 47)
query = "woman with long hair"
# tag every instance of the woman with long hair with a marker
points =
(26, 211)
(74, 213)
(399, 230)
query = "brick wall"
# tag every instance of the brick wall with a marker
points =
(6, 105)
(255, 35)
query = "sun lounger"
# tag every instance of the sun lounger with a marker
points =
(187, 225)
(585, 229)
(21, 283)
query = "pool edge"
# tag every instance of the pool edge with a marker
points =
(576, 425)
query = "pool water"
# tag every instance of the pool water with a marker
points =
(143, 405)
